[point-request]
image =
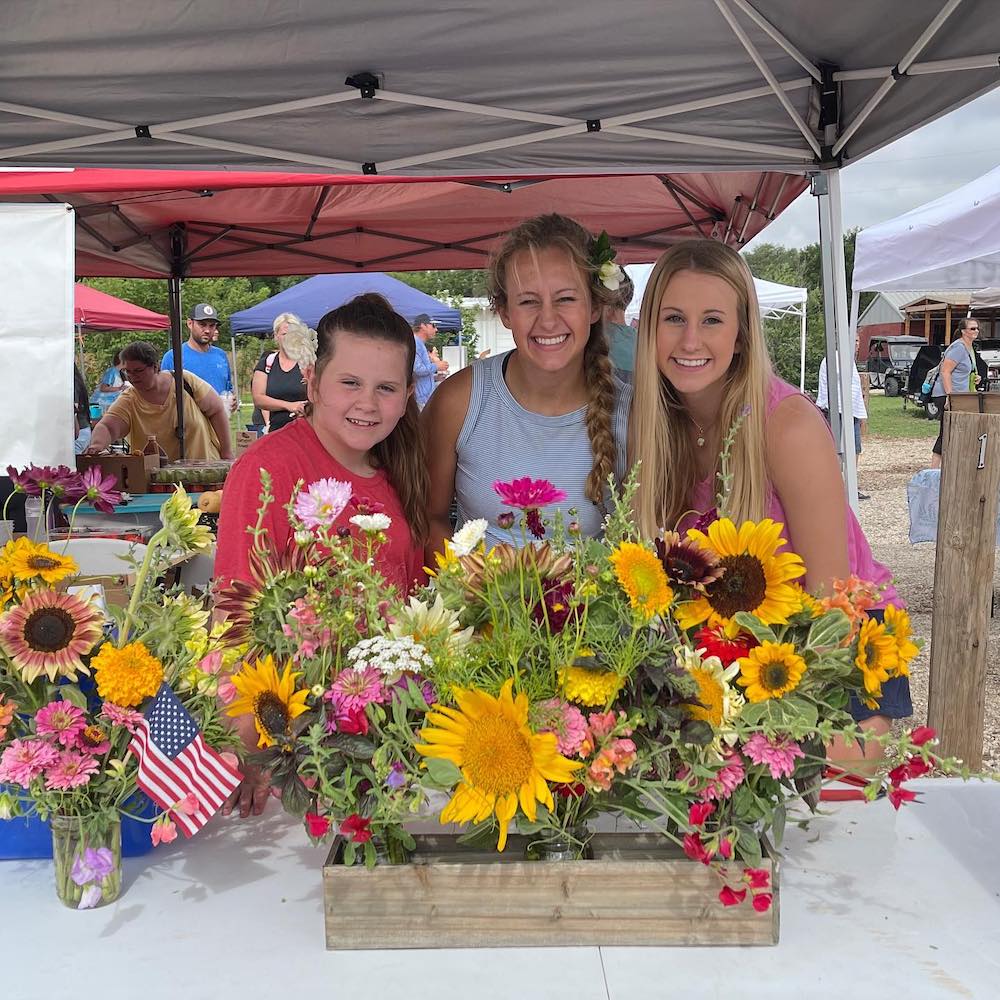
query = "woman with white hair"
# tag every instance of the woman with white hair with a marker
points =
(278, 388)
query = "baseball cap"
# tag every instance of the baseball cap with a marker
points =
(421, 319)
(204, 311)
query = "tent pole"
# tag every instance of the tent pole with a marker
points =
(802, 360)
(839, 353)
(236, 384)
(176, 343)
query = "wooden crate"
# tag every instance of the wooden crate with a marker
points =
(636, 890)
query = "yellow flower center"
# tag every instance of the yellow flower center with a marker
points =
(742, 587)
(497, 758)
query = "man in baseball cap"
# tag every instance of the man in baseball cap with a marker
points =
(200, 357)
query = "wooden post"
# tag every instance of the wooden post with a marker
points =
(906, 325)
(963, 574)
(927, 324)
(947, 324)
(866, 384)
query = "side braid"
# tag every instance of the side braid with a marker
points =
(600, 412)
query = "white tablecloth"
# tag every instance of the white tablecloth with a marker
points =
(874, 904)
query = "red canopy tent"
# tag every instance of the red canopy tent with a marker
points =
(95, 310)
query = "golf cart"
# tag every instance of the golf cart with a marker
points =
(889, 360)
(926, 362)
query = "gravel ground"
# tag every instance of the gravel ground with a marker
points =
(885, 467)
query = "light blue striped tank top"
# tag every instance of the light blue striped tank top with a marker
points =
(501, 440)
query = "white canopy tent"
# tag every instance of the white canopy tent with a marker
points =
(775, 301)
(482, 91)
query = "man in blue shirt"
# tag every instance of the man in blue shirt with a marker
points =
(424, 369)
(199, 356)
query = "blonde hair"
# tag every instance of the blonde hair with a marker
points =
(661, 437)
(559, 232)
(284, 318)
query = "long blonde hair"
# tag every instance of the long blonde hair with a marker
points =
(661, 437)
(559, 232)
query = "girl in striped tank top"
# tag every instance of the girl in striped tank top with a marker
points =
(701, 360)
(550, 409)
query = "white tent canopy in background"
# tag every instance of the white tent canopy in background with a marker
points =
(950, 243)
(775, 301)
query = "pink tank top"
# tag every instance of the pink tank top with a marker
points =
(861, 561)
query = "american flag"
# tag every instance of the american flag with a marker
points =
(175, 761)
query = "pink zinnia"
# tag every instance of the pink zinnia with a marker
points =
(528, 493)
(71, 771)
(566, 721)
(127, 718)
(322, 503)
(61, 719)
(354, 689)
(24, 760)
(726, 780)
(778, 756)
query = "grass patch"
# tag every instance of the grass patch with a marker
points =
(887, 418)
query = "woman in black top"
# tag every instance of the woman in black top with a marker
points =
(278, 388)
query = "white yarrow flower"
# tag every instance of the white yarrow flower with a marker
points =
(372, 522)
(392, 657)
(468, 537)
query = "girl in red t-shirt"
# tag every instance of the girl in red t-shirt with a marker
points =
(361, 426)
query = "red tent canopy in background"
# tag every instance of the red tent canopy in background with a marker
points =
(96, 310)
(259, 223)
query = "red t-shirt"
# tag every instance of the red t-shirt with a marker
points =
(291, 454)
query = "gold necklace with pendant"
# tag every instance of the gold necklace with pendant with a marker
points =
(702, 433)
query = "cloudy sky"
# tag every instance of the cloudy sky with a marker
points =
(913, 170)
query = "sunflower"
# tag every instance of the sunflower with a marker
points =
(897, 621)
(127, 676)
(757, 579)
(589, 687)
(719, 703)
(503, 762)
(27, 560)
(49, 633)
(641, 575)
(876, 658)
(686, 563)
(771, 671)
(272, 700)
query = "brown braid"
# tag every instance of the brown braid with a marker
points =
(600, 412)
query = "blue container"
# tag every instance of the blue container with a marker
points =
(29, 837)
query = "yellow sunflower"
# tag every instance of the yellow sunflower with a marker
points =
(757, 579)
(503, 762)
(271, 700)
(589, 687)
(640, 574)
(876, 658)
(897, 621)
(771, 670)
(28, 561)
(126, 676)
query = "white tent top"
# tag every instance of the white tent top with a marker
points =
(985, 298)
(951, 243)
(774, 299)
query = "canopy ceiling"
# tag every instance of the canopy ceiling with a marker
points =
(95, 310)
(264, 223)
(482, 88)
(953, 242)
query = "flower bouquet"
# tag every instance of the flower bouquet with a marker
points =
(97, 704)
(688, 685)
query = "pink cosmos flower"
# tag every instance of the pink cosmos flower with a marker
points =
(164, 831)
(353, 689)
(726, 780)
(24, 760)
(127, 718)
(71, 771)
(528, 493)
(322, 503)
(100, 490)
(778, 755)
(63, 720)
(566, 721)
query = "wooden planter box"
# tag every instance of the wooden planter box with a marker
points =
(636, 890)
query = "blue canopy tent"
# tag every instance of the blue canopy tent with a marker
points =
(311, 299)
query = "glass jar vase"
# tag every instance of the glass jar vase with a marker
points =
(87, 855)
(559, 845)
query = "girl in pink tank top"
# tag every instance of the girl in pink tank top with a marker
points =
(702, 363)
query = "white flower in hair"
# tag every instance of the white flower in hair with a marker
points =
(469, 536)
(610, 275)
(300, 345)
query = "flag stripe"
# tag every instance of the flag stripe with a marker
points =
(160, 783)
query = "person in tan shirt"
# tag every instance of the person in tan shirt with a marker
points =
(148, 408)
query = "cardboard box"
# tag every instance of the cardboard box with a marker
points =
(243, 441)
(130, 471)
